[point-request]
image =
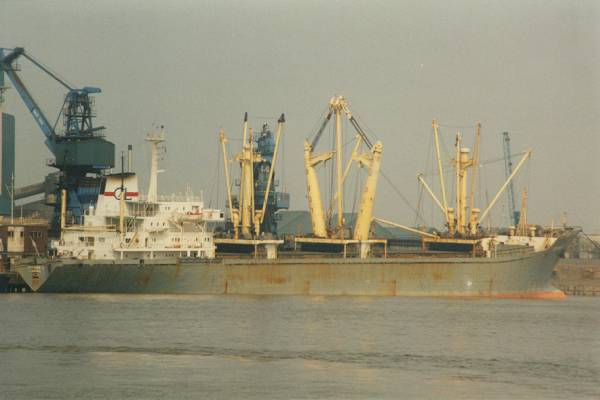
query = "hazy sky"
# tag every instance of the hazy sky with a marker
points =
(528, 67)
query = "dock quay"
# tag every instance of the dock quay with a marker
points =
(11, 282)
(578, 277)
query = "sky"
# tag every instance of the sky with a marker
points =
(531, 68)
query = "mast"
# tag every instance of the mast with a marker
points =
(245, 190)
(253, 217)
(463, 164)
(246, 159)
(242, 168)
(441, 174)
(122, 196)
(336, 103)
(235, 215)
(154, 139)
(245, 128)
(474, 213)
(447, 211)
(457, 204)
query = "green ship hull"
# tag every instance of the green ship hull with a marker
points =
(522, 275)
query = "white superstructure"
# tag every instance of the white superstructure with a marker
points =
(537, 243)
(152, 227)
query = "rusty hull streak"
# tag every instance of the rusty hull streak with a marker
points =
(143, 280)
(379, 279)
(275, 280)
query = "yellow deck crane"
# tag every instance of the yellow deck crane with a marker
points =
(369, 159)
(247, 217)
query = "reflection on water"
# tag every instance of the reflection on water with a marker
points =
(139, 346)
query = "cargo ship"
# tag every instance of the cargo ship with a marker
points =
(127, 243)
(516, 275)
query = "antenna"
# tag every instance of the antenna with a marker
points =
(122, 199)
(129, 157)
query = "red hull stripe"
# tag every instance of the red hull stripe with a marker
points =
(128, 193)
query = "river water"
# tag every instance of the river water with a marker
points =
(226, 347)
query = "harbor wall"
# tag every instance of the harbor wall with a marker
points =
(579, 277)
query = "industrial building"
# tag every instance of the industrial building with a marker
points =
(7, 161)
(7, 153)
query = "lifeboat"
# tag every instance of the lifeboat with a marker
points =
(181, 217)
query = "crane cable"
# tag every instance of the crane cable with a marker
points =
(58, 116)
(404, 199)
(388, 180)
(420, 189)
(218, 175)
(321, 123)
(216, 179)
(50, 71)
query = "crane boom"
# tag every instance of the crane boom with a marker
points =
(7, 57)
(506, 183)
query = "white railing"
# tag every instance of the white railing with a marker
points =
(175, 197)
(4, 220)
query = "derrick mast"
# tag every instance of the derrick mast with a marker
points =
(465, 218)
(253, 211)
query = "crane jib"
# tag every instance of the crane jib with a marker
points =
(31, 104)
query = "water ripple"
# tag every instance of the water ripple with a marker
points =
(496, 366)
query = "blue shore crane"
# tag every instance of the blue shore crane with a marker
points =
(514, 214)
(265, 146)
(81, 154)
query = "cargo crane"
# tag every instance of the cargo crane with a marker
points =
(81, 154)
(338, 237)
(514, 214)
(463, 221)
(253, 211)
(253, 219)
